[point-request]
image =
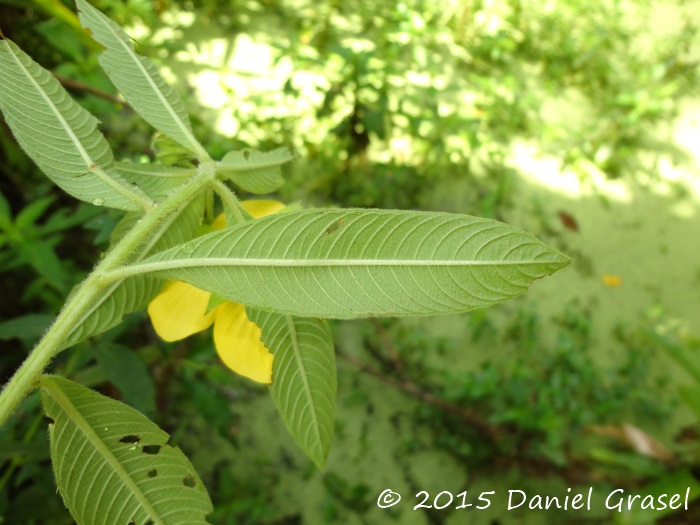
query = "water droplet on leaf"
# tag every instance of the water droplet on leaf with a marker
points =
(98, 201)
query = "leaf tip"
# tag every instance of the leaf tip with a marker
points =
(319, 458)
(558, 259)
(563, 261)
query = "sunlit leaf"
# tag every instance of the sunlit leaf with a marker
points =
(137, 78)
(359, 263)
(112, 465)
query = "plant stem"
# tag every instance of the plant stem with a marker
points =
(27, 376)
(230, 201)
(74, 85)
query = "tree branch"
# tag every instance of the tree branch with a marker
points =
(468, 416)
(74, 85)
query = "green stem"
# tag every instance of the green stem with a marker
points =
(230, 201)
(18, 460)
(27, 376)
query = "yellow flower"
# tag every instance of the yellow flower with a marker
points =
(612, 280)
(180, 310)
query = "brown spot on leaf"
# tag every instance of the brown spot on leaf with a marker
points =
(335, 226)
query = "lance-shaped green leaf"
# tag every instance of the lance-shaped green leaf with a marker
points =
(358, 263)
(156, 180)
(132, 294)
(137, 78)
(112, 465)
(119, 298)
(255, 171)
(303, 378)
(59, 135)
(169, 152)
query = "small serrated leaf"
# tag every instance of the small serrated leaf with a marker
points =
(137, 78)
(255, 171)
(112, 465)
(59, 135)
(303, 378)
(156, 180)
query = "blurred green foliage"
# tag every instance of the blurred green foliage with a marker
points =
(384, 97)
(384, 101)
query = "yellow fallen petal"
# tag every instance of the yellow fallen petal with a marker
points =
(612, 280)
(261, 207)
(179, 310)
(238, 343)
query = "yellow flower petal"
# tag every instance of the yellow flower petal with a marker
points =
(179, 310)
(612, 280)
(238, 343)
(220, 222)
(256, 207)
(261, 207)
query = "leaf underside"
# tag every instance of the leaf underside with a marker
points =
(58, 134)
(360, 263)
(255, 171)
(138, 79)
(113, 466)
(134, 293)
(303, 378)
(156, 180)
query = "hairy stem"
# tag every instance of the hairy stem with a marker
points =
(230, 201)
(27, 376)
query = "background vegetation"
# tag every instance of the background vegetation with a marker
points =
(574, 120)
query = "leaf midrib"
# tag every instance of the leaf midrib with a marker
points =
(91, 436)
(205, 262)
(91, 165)
(74, 139)
(250, 166)
(176, 118)
(307, 386)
